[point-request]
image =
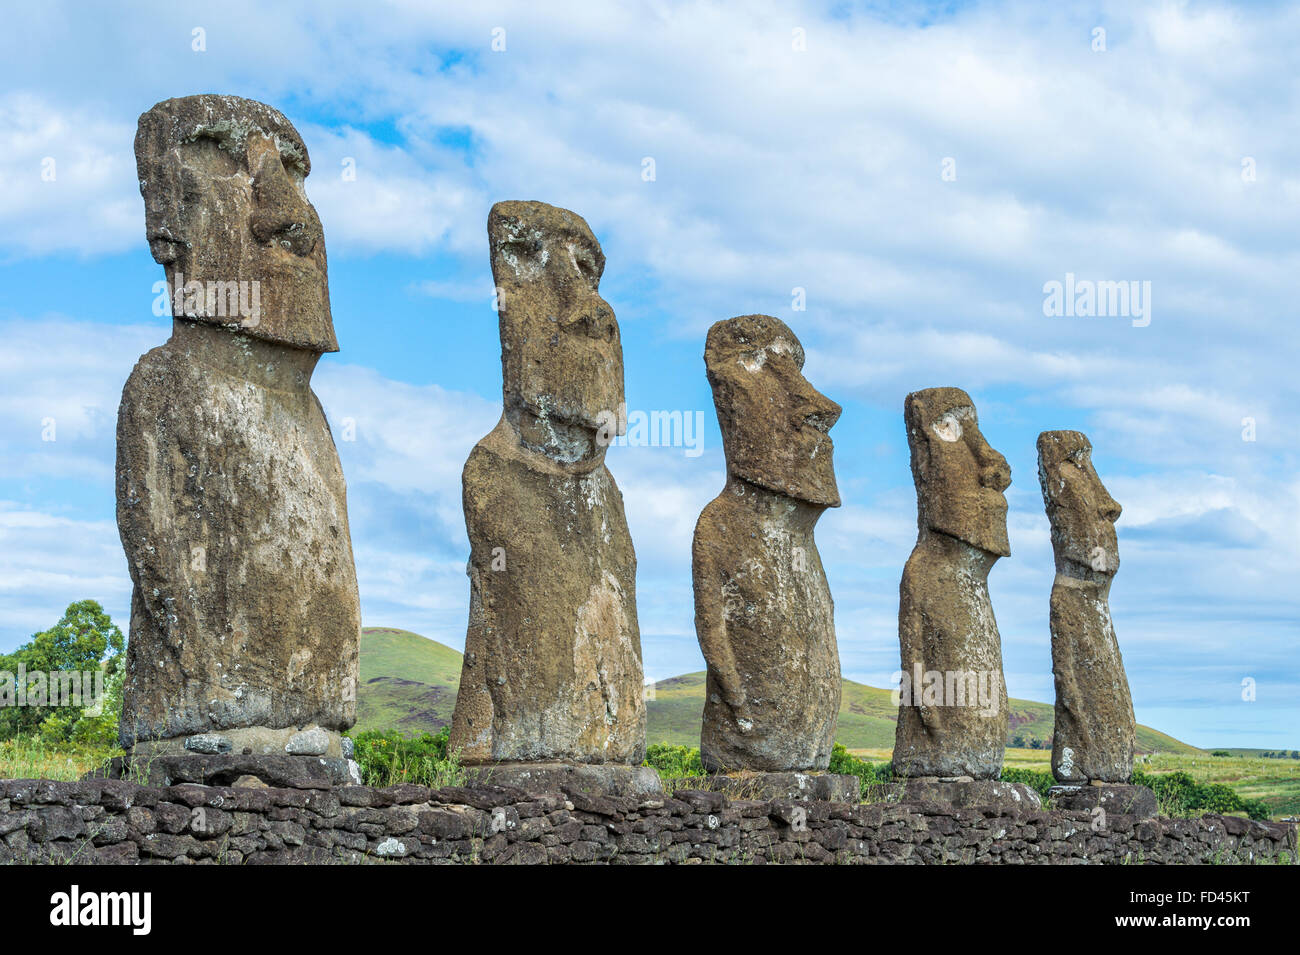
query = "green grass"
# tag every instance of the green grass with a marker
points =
(1274, 782)
(390, 757)
(35, 758)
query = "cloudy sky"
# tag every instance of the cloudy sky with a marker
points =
(920, 171)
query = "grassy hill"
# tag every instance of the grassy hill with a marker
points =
(409, 682)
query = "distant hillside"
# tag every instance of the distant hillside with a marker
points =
(409, 682)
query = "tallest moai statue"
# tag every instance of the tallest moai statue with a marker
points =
(245, 621)
(552, 668)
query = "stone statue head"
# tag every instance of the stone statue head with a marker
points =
(775, 425)
(1082, 513)
(959, 477)
(225, 207)
(561, 356)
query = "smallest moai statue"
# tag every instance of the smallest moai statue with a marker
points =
(1095, 732)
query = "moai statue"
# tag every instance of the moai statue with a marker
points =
(231, 504)
(1095, 730)
(763, 610)
(952, 721)
(552, 668)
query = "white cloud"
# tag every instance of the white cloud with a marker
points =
(70, 179)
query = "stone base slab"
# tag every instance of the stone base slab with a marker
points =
(1116, 798)
(825, 787)
(602, 779)
(967, 793)
(233, 769)
(309, 740)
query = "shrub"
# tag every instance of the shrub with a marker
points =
(1178, 794)
(389, 757)
(871, 776)
(674, 762)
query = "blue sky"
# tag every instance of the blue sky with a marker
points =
(1167, 157)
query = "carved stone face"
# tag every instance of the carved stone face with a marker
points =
(561, 356)
(774, 423)
(225, 206)
(959, 477)
(1081, 511)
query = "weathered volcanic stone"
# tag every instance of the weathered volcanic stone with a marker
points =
(227, 769)
(1096, 731)
(973, 793)
(957, 726)
(552, 666)
(606, 779)
(1121, 799)
(230, 498)
(763, 610)
(821, 787)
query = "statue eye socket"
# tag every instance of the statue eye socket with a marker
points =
(586, 262)
(521, 247)
(948, 428)
(215, 152)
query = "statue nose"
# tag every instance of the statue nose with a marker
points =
(281, 215)
(820, 411)
(592, 317)
(995, 472)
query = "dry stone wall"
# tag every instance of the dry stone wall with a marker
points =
(113, 821)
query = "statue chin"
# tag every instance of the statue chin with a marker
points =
(991, 540)
(818, 488)
(562, 441)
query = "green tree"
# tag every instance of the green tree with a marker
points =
(78, 642)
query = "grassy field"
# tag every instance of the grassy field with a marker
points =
(36, 759)
(1274, 781)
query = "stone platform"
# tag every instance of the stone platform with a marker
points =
(826, 787)
(965, 793)
(602, 779)
(119, 822)
(233, 769)
(1120, 798)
